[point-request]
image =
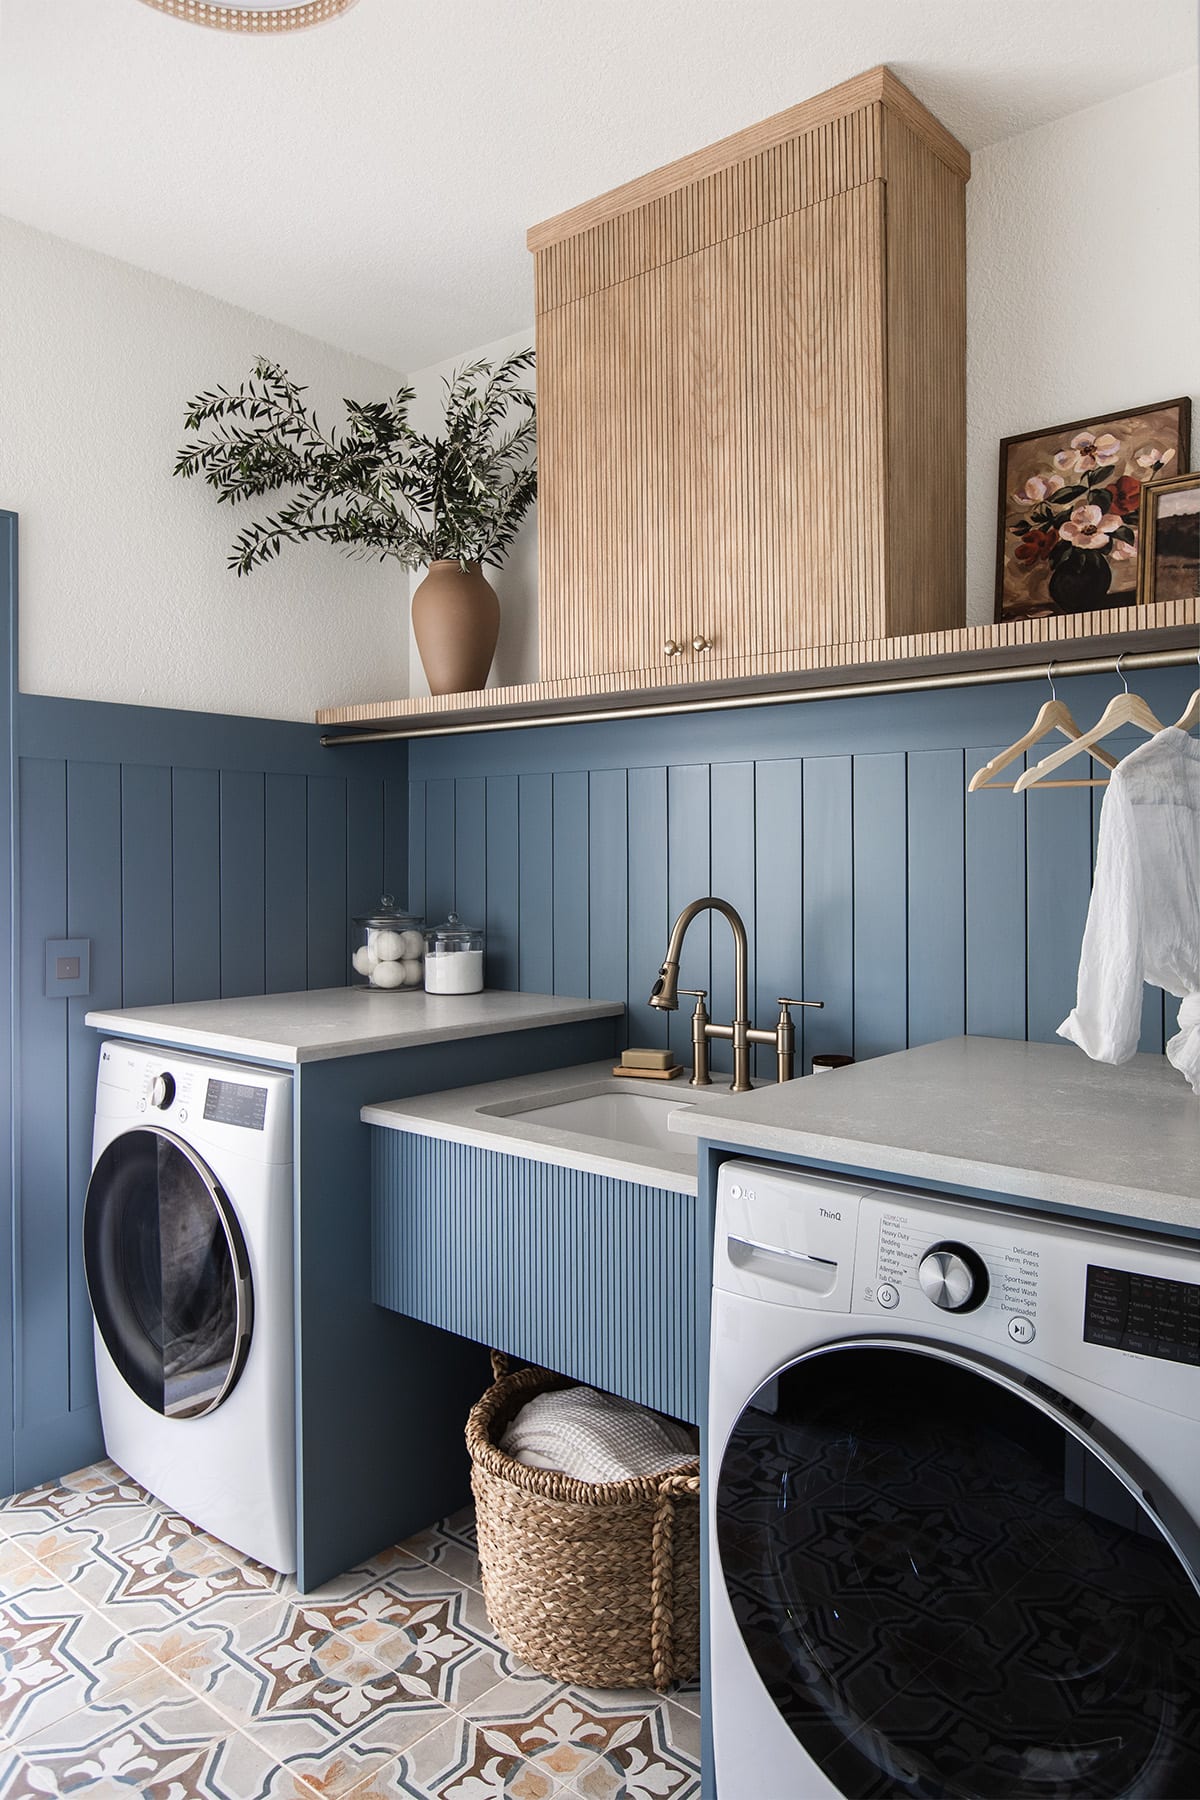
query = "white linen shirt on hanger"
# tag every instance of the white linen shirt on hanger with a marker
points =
(1143, 922)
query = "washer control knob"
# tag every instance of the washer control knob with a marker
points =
(953, 1277)
(162, 1090)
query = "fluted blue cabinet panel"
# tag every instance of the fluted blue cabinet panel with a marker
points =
(840, 829)
(592, 1277)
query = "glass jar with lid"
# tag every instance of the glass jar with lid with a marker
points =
(387, 948)
(453, 958)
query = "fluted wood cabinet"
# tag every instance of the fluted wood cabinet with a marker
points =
(751, 396)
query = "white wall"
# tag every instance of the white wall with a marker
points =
(1083, 282)
(124, 591)
(515, 583)
(1083, 274)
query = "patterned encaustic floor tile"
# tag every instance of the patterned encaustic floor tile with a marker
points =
(139, 1656)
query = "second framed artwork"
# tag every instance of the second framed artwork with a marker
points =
(1069, 503)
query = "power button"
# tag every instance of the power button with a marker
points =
(1021, 1331)
(887, 1295)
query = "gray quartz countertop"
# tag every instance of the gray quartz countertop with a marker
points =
(328, 1022)
(1040, 1122)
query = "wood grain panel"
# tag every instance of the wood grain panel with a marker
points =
(751, 376)
(926, 412)
(872, 87)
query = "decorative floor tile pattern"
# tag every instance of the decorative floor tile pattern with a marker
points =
(140, 1657)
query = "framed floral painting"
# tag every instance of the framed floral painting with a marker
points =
(1068, 514)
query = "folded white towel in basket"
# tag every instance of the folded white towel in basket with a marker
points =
(596, 1437)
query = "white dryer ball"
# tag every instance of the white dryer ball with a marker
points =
(364, 962)
(388, 975)
(388, 946)
(412, 943)
(413, 971)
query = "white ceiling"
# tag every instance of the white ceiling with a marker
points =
(370, 181)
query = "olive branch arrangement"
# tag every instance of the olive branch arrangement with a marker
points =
(375, 486)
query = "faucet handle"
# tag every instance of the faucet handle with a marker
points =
(786, 1000)
(700, 994)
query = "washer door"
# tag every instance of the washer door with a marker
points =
(948, 1594)
(167, 1273)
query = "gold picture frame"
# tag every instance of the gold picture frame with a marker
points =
(1169, 539)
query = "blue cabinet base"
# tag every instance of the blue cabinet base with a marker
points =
(592, 1277)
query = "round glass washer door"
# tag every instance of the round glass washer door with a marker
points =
(167, 1273)
(948, 1594)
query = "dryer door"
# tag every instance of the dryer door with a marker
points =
(948, 1593)
(167, 1273)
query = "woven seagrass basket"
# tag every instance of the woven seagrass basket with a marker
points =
(592, 1582)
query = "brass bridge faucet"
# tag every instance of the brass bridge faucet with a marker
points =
(666, 998)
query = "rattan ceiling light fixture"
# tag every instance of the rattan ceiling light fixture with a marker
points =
(268, 18)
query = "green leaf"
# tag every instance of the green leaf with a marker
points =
(1064, 495)
(1097, 476)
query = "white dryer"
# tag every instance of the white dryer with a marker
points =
(187, 1229)
(953, 1500)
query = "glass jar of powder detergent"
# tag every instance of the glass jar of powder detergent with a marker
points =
(387, 948)
(453, 958)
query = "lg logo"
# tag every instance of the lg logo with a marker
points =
(829, 1215)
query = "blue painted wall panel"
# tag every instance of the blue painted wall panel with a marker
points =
(470, 851)
(328, 942)
(880, 828)
(503, 866)
(285, 883)
(196, 882)
(243, 882)
(779, 889)
(689, 877)
(937, 981)
(94, 908)
(570, 882)
(535, 836)
(169, 840)
(607, 861)
(648, 917)
(913, 911)
(146, 886)
(828, 910)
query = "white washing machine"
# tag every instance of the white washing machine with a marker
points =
(187, 1229)
(953, 1500)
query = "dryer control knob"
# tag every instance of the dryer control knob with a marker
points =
(953, 1277)
(162, 1090)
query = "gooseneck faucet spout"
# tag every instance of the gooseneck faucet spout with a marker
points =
(666, 992)
(666, 998)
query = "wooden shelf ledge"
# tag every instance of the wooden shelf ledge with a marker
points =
(966, 656)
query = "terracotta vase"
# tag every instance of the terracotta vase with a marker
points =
(456, 621)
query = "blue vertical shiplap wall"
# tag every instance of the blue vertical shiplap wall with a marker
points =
(840, 829)
(203, 856)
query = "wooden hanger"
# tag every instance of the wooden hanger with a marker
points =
(1189, 718)
(1054, 716)
(1122, 709)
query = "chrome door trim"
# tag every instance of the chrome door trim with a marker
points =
(1179, 1530)
(235, 1242)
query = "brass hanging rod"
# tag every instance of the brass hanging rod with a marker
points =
(653, 709)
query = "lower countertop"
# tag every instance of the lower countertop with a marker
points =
(321, 1023)
(1039, 1122)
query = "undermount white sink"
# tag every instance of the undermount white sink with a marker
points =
(624, 1118)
